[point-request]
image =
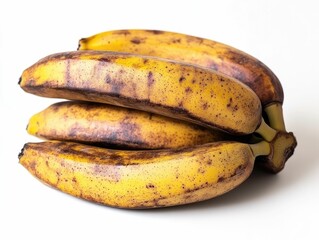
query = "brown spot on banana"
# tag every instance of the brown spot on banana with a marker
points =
(176, 40)
(122, 32)
(188, 90)
(205, 106)
(137, 40)
(181, 79)
(155, 32)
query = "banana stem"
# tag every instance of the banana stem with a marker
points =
(265, 131)
(275, 116)
(260, 149)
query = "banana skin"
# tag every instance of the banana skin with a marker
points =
(161, 86)
(142, 179)
(112, 126)
(202, 52)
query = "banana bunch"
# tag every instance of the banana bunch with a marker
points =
(153, 119)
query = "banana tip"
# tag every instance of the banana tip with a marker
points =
(81, 41)
(22, 152)
(20, 79)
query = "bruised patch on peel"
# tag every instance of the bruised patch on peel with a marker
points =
(104, 59)
(176, 40)
(205, 106)
(188, 90)
(111, 173)
(156, 32)
(150, 79)
(32, 165)
(122, 32)
(137, 40)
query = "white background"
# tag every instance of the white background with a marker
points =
(283, 34)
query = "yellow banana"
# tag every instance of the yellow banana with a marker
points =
(155, 85)
(203, 52)
(142, 179)
(107, 125)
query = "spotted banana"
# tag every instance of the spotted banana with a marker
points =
(142, 179)
(112, 126)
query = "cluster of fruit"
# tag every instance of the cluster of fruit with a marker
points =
(155, 119)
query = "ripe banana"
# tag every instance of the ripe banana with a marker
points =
(142, 179)
(174, 89)
(106, 125)
(203, 52)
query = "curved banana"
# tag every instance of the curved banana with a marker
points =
(142, 179)
(107, 125)
(174, 89)
(203, 52)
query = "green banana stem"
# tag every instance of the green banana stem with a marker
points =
(275, 116)
(260, 149)
(265, 131)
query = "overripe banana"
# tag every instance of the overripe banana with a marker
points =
(142, 179)
(203, 52)
(107, 125)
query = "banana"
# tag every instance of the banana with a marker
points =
(106, 125)
(169, 88)
(142, 179)
(203, 52)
